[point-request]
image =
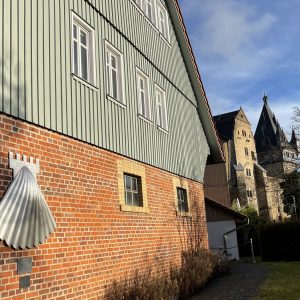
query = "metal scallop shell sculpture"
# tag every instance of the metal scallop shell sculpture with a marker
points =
(25, 218)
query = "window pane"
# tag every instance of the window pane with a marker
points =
(141, 84)
(158, 98)
(128, 198)
(84, 64)
(114, 84)
(164, 114)
(134, 184)
(142, 99)
(182, 200)
(75, 58)
(185, 206)
(178, 194)
(127, 182)
(74, 31)
(135, 199)
(83, 37)
(149, 9)
(113, 62)
(159, 121)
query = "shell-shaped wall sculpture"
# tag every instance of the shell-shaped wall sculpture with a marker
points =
(25, 218)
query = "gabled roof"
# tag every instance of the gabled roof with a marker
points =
(225, 124)
(196, 82)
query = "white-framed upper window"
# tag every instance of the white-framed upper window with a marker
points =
(150, 10)
(148, 7)
(143, 94)
(83, 61)
(162, 20)
(161, 108)
(114, 73)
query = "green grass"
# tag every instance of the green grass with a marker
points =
(282, 282)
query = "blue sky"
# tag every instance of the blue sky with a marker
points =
(245, 48)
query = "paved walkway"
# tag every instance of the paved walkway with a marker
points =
(241, 284)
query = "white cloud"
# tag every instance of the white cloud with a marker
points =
(232, 27)
(244, 47)
(228, 34)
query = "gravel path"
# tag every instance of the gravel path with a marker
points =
(241, 284)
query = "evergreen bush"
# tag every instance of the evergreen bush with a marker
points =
(280, 241)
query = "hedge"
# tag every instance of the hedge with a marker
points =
(280, 241)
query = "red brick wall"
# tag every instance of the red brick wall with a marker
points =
(94, 241)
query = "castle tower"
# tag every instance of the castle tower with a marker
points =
(274, 152)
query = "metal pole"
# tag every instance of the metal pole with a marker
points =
(252, 251)
(294, 200)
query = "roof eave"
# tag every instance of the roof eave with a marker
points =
(195, 78)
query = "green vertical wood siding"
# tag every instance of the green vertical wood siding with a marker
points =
(36, 82)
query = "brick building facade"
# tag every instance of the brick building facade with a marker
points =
(94, 242)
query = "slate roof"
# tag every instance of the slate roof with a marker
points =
(268, 131)
(225, 124)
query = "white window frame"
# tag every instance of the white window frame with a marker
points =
(112, 51)
(164, 30)
(153, 10)
(162, 121)
(182, 203)
(81, 25)
(133, 192)
(147, 107)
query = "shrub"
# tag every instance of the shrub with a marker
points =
(197, 268)
(280, 241)
(144, 287)
(221, 266)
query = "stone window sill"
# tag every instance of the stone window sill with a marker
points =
(136, 209)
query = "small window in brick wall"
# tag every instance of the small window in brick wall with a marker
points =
(182, 200)
(246, 151)
(248, 172)
(132, 190)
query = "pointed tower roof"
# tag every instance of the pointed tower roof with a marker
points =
(294, 140)
(268, 131)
